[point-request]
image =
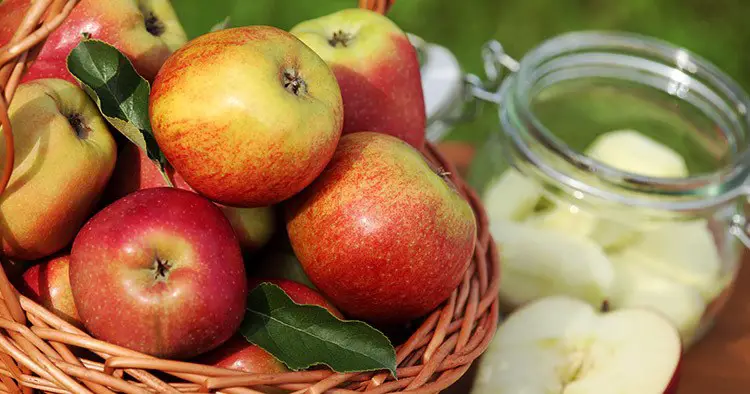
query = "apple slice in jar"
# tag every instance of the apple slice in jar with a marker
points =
(539, 262)
(564, 345)
(638, 285)
(511, 196)
(566, 218)
(685, 252)
(630, 151)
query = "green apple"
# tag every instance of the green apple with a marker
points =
(540, 262)
(64, 156)
(564, 345)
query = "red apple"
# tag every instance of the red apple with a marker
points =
(135, 171)
(47, 283)
(249, 116)
(298, 292)
(239, 354)
(377, 69)
(380, 233)
(159, 271)
(146, 31)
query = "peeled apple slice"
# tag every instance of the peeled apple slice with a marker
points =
(685, 252)
(511, 196)
(562, 345)
(637, 285)
(631, 151)
(539, 263)
(565, 218)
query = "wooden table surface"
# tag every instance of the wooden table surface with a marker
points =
(719, 363)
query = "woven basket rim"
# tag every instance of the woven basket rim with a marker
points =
(35, 344)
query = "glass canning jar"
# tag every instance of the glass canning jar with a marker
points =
(618, 175)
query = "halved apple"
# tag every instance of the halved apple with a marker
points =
(564, 345)
(539, 262)
(638, 285)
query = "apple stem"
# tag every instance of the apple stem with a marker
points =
(605, 307)
(78, 125)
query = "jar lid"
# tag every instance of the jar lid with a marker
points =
(442, 84)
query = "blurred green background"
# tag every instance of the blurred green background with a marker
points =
(714, 29)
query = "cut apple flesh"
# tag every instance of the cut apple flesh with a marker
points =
(511, 196)
(637, 284)
(539, 262)
(672, 268)
(563, 345)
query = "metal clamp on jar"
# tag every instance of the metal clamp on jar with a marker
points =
(618, 175)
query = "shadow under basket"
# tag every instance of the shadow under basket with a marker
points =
(40, 352)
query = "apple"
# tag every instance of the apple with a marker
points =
(564, 345)
(239, 354)
(540, 262)
(298, 292)
(146, 31)
(377, 69)
(47, 283)
(159, 271)
(281, 264)
(249, 116)
(381, 233)
(64, 156)
(135, 171)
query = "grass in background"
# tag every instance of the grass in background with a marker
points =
(713, 29)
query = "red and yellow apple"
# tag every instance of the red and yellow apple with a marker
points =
(146, 31)
(381, 233)
(377, 69)
(47, 283)
(135, 171)
(239, 354)
(64, 156)
(248, 116)
(159, 271)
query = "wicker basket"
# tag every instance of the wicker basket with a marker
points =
(40, 351)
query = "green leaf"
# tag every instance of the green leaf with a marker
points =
(121, 94)
(223, 24)
(302, 336)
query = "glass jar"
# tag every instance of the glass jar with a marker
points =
(618, 176)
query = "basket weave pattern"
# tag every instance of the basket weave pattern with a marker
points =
(40, 351)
